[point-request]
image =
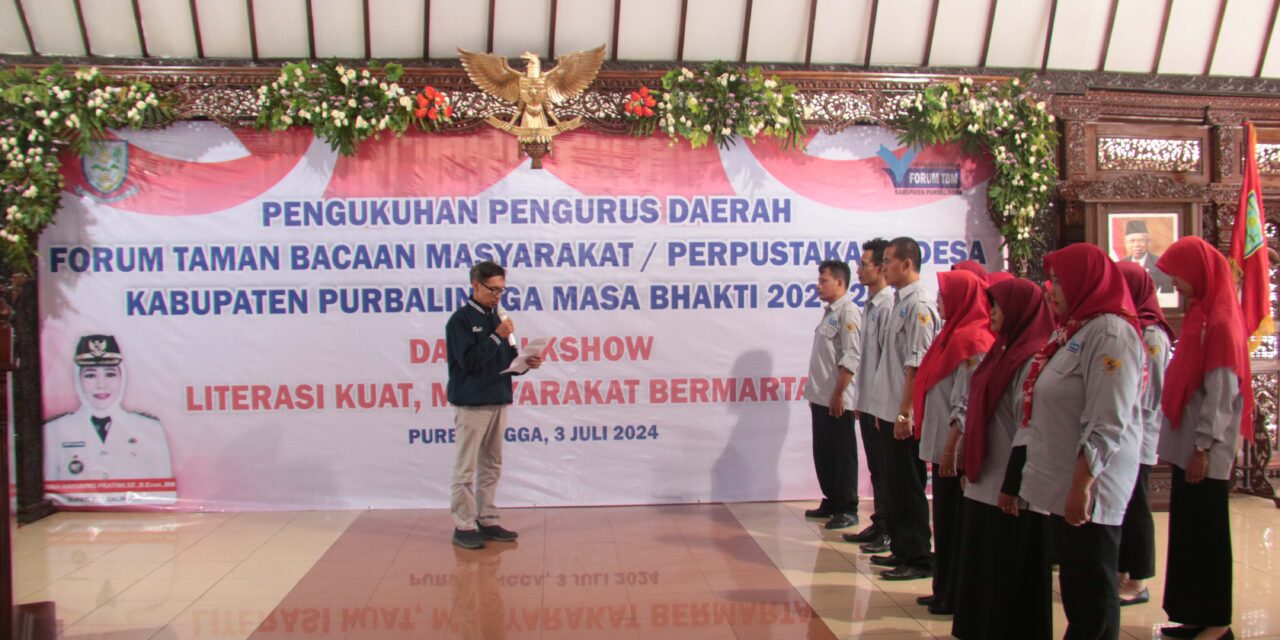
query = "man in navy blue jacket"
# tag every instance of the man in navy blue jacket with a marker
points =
(481, 344)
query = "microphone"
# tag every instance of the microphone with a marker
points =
(502, 316)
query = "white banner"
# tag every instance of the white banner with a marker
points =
(276, 313)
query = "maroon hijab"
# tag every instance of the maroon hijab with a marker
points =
(1143, 291)
(1026, 328)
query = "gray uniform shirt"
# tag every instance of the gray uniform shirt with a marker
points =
(1156, 342)
(912, 326)
(1211, 420)
(874, 329)
(836, 345)
(944, 403)
(1086, 402)
(1002, 426)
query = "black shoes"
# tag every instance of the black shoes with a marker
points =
(886, 561)
(820, 512)
(905, 572)
(468, 539)
(1139, 598)
(879, 545)
(1191, 631)
(843, 521)
(926, 600)
(939, 609)
(496, 533)
(870, 534)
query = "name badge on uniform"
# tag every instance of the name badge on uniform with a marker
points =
(73, 445)
(477, 329)
(1073, 346)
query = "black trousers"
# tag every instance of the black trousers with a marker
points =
(1138, 531)
(871, 447)
(1004, 585)
(835, 458)
(1197, 583)
(948, 500)
(908, 506)
(1089, 556)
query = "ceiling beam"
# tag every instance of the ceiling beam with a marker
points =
(986, 39)
(84, 29)
(617, 27)
(684, 20)
(551, 37)
(368, 31)
(1262, 57)
(808, 43)
(746, 33)
(311, 30)
(1164, 31)
(26, 27)
(871, 33)
(195, 30)
(1048, 35)
(137, 21)
(493, 9)
(928, 38)
(253, 29)
(1106, 41)
(1217, 34)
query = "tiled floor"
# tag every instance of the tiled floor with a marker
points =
(740, 571)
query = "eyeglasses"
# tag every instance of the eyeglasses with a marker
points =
(497, 291)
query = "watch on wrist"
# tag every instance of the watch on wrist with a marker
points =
(903, 418)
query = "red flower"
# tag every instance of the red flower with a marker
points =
(648, 112)
(448, 111)
(433, 113)
(422, 101)
(419, 113)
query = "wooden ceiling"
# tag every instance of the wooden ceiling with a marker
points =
(1226, 38)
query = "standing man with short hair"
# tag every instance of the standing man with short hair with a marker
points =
(912, 327)
(876, 315)
(832, 363)
(480, 341)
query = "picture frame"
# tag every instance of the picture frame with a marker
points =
(1140, 232)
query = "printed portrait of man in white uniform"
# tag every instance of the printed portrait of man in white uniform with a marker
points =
(103, 454)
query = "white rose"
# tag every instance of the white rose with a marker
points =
(351, 102)
(406, 102)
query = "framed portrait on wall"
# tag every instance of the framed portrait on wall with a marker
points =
(1140, 233)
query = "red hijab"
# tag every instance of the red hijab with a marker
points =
(971, 266)
(1092, 286)
(1143, 291)
(1026, 328)
(966, 332)
(1212, 331)
(996, 277)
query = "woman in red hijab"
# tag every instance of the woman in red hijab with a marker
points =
(995, 598)
(1208, 406)
(940, 396)
(1084, 426)
(1138, 531)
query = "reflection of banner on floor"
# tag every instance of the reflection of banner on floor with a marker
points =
(280, 309)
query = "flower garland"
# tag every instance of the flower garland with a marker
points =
(344, 106)
(717, 103)
(1005, 120)
(43, 112)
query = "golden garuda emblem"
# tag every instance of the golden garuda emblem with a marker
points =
(534, 93)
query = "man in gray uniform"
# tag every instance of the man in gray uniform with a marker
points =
(874, 538)
(832, 363)
(912, 326)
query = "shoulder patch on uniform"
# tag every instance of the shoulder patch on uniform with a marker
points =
(1111, 365)
(1153, 349)
(923, 319)
(850, 326)
(970, 363)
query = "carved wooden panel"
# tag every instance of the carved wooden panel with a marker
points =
(1118, 149)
